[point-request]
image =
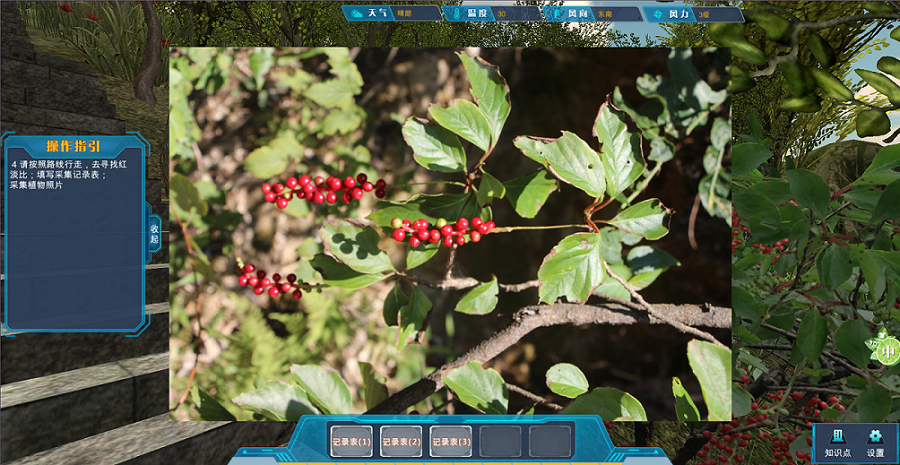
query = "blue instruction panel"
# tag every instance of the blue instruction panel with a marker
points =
(77, 233)
(457, 439)
(855, 443)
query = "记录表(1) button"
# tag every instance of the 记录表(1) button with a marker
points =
(401, 441)
(350, 441)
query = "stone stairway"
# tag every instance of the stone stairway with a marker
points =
(70, 398)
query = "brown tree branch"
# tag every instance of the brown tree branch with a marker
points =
(534, 397)
(466, 283)
(531, 318)
(146, 75)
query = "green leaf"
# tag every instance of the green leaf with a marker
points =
(645, 219)
(720, 133)
(331, 93)
(266, 162)
(620, 150)
(811, 336)
(450, 207)
(850, 340)
(712, 366)
(529, 193)
(481, 300)
(881, 171)
(278, 401)
(874, 404)
(610, 403)
(434, 147)
(745, 305)
(478, 388)
(395, 300)
(572, 269)
(685, 410)
(416, 256)
(740, 401)
(356, 247)
(490, 90)
(715, 197)
(566, 380)
(209, 408)
(186, 194)
(325, 389)
(260, 63)
(882, 84)
(342, 120)
(873, 265)
(569, 158)
(647, 263)
(466, 120)
(489, 189)
(748, 156)
(809, 190)
(775, 191)
(412, 317)
(375, 390)
(340, 275)
(888, 208)
(661, 150)
(834, 266)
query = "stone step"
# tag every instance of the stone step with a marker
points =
(32, 355)
(39, 84)
(42, 413)
(159, 441)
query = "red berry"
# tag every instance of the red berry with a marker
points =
(490, 225)
(796, 395)
(745, 378)
(265, 282)
(447, 230)
(304, 180)
(356, 193)
(258, 290)
(434, 236)
(243, 280)
(477, 221)
(333, 183)
(396, 223)
(448, 241)
(380, 184)
(346, 197)
(707, 434)
(361, 178)
(833, 399)
(331, 197)
(462, 224)
(249, 268)
(840, 407)
(460, 239)
(483, 229)
(285, 287)
(706, 447)
(309, 189)
(809, 441)
(475, 236)
(738, 459)
(701, 453)
(367, 186)
(278, 188)
(270, 197)
(319, 197)
(253, 281)
(291, 278)
(746, 436)
(349, 182)
(406, 223)
(297, 294)
(423, 234)
(379, 193)
(261, 274)
(291, 182)
(273, 291)
(282, 203)
(414, 241)
(266, 187)
(319, 181)
(276, 277)
(399, 235)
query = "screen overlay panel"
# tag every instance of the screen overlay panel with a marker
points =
(450, 439)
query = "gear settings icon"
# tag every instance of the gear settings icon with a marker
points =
(875, 437)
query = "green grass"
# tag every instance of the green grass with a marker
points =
(138, 115)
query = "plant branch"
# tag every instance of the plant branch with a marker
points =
(652, 311)
(530, 318)
(534, 397)
(455, 284)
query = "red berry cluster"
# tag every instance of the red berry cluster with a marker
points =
(321, 190)
(780, 445)
(736, 230)
(776, 248)
(446, 233)
(259, 282)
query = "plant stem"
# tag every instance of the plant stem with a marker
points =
(518, 228)
(429, 182)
